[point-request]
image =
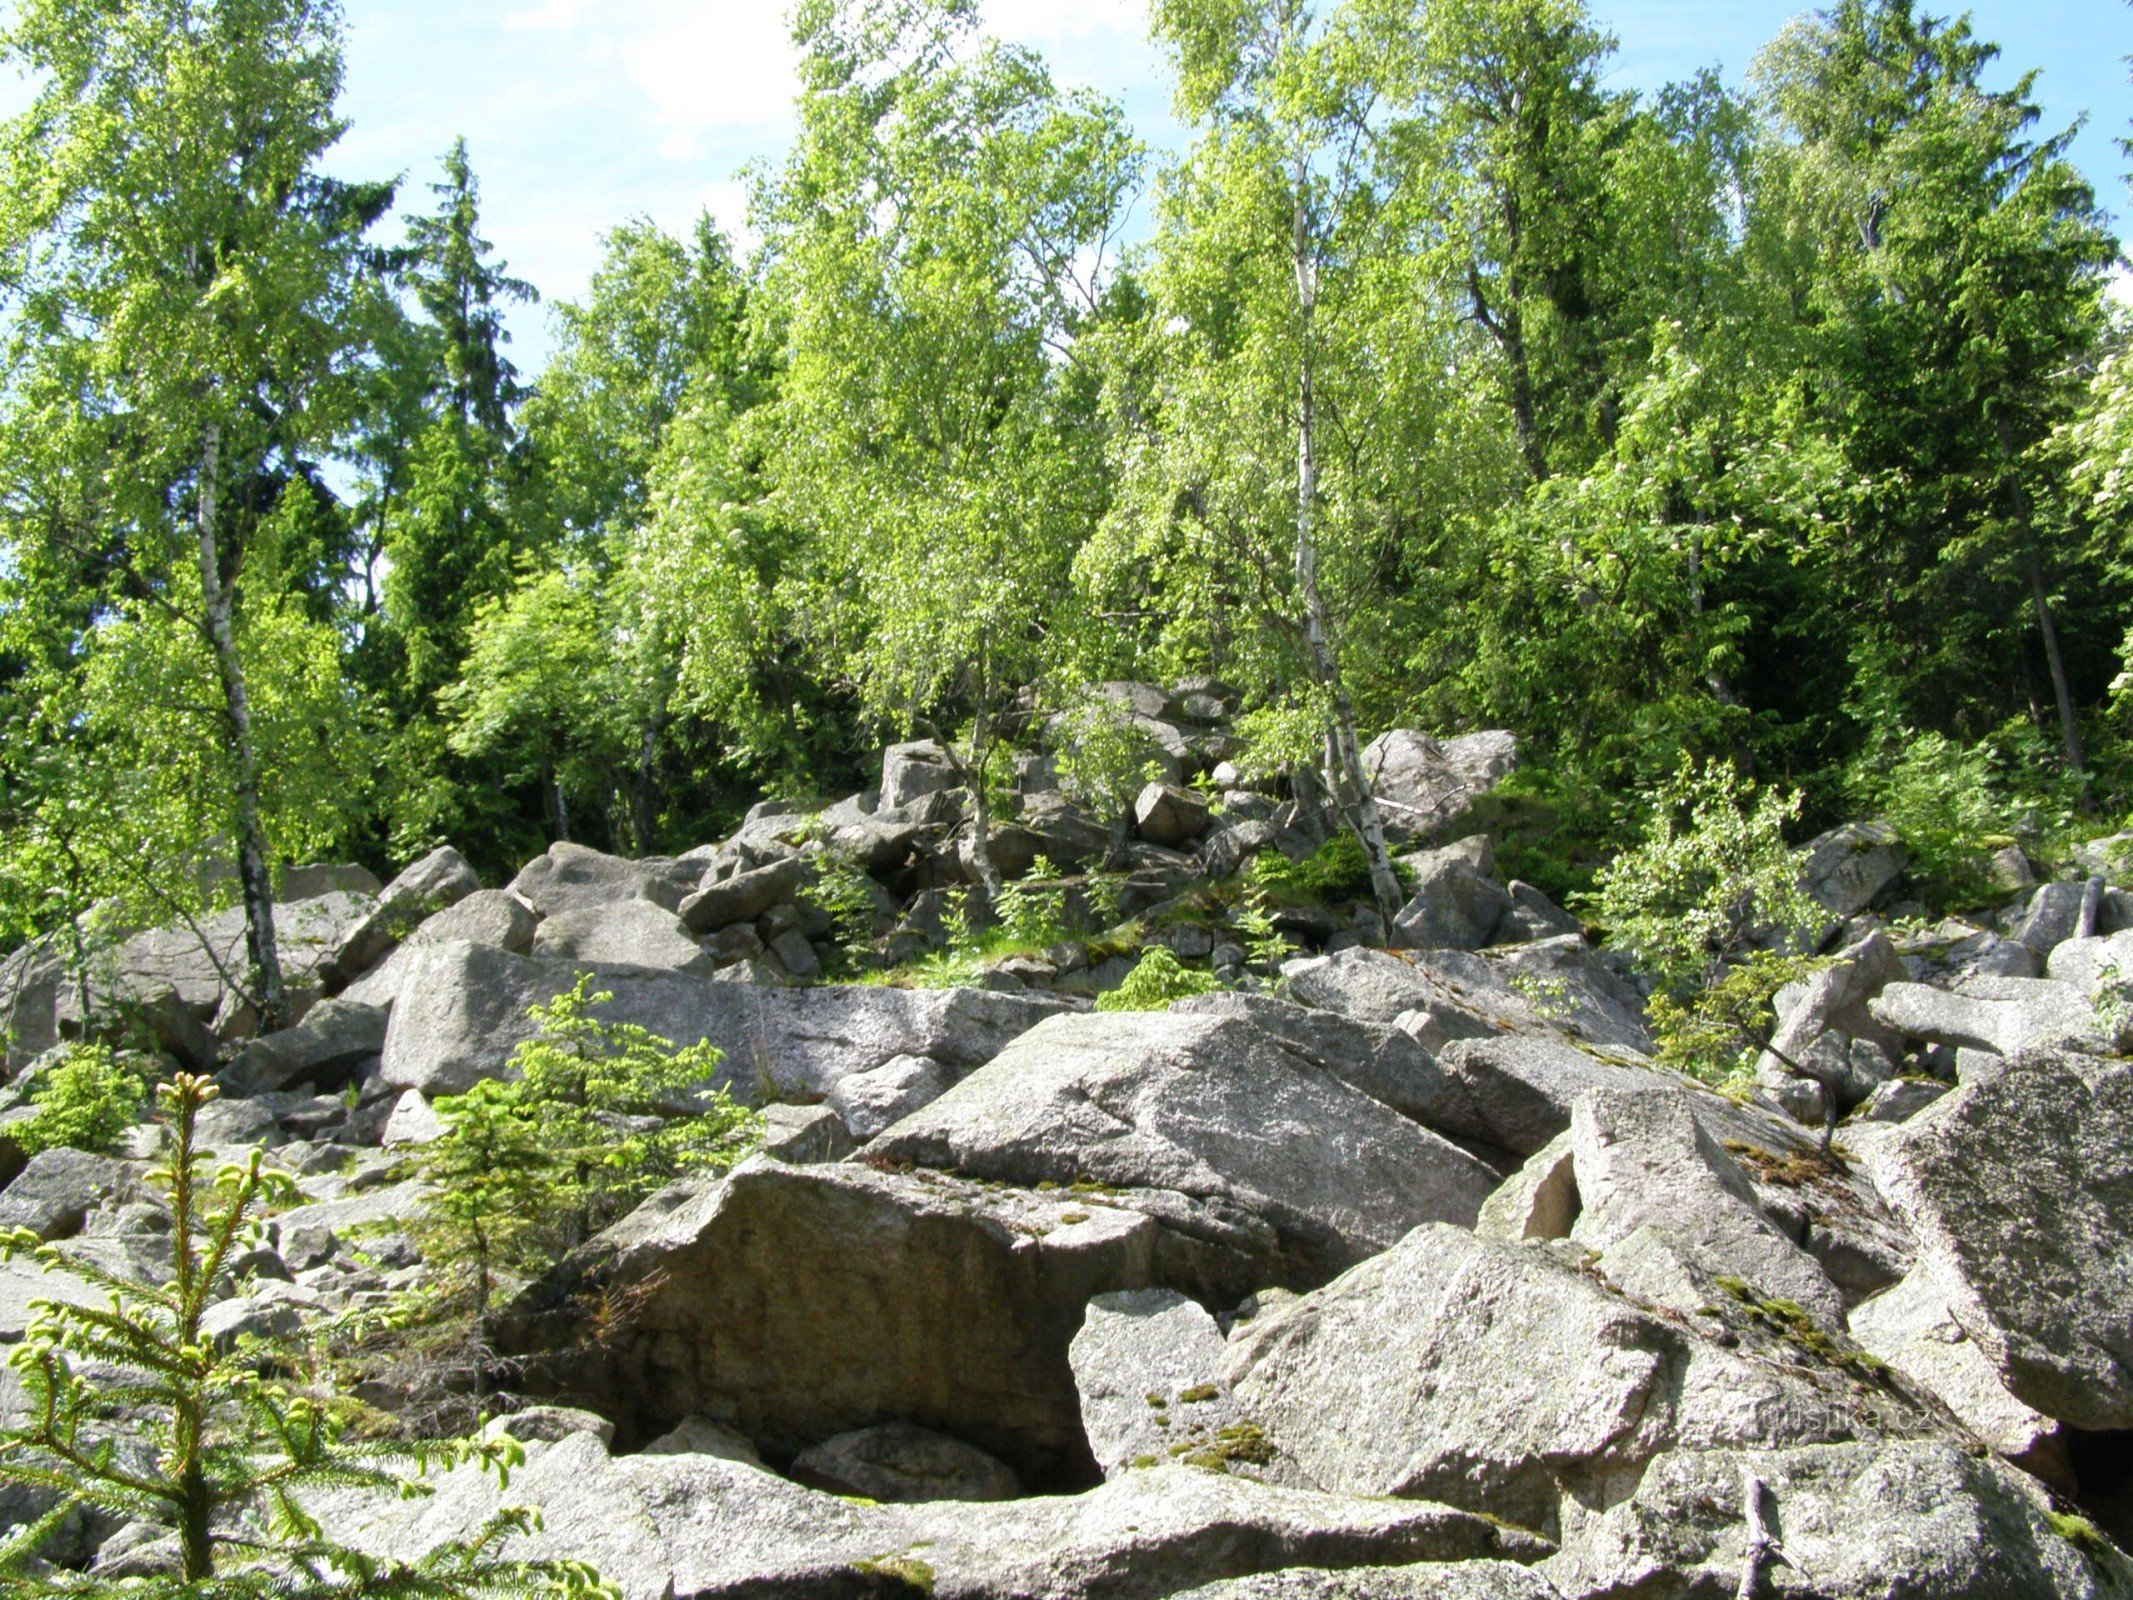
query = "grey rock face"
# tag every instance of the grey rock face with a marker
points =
(1522, 1090)
(662, 1526)
(1900, 1099)
(30, 980)
(1535, 916)
(1836, 1000)
(1167, 815)
(1499, 1376)
(438, 881)
(2094, 964)
(1457, 905)
(2017, 1188)
(1546, 989)
(2051, 917)
(1467, 1580)
(493, 917)
(552, 1424)
(910, 772)
(571, 877)
(464, 1010)
(701, 1436)
(1926, 1518)
(1147, 1364)
(1644, 1160)
(413, 1122)
(335, 1037)
(1426, 787)
(1848, 867)
(900, 1464)
(743, 897)
(750, 1296)
(1382, 1062)
(1910, 1328)
(193, 963)
(633, 933)
(805, 1135)
(59, 1188)
(870, 1102)
(1202, 1106)
(1997, 1014)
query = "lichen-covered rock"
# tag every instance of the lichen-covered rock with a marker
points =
(1646, 1160)
(1848, 867)
(663, 1526)
(1208, 1107)
(1926, 1520)
(801, 1302)
(1911, 1328)
(1503, 1378)
(1147, 1364)
(2020, 1189)
(1426, 787)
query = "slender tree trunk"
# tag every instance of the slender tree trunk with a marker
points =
(980, 802)
(642, 811)
(1325, 662)
(558, 807)
(218, 601)
(1507, 327)
(2055, 660)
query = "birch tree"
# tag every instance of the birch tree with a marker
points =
(936, 240)
(1298, 367)
(179, 279)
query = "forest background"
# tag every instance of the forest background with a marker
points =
(1434, 379)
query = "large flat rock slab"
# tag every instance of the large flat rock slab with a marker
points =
(463, 1008)
(662, 1527)
(1504, 1378)
(798, 1303)
(2020, 1190)
(1210, 1107)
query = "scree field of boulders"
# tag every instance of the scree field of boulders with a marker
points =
(1391, 1265)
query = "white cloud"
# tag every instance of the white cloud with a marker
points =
(2120, 287)
(712, 70)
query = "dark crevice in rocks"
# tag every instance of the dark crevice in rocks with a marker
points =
(2103, 1468)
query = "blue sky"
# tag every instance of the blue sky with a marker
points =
(583, 112)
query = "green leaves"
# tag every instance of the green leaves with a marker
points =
(1712, 877)
(133, 1409)
(84, 1102)
(597, 1116)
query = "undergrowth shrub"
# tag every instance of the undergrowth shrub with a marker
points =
(1711, 879)
(85, 1103)
(1157, 980)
